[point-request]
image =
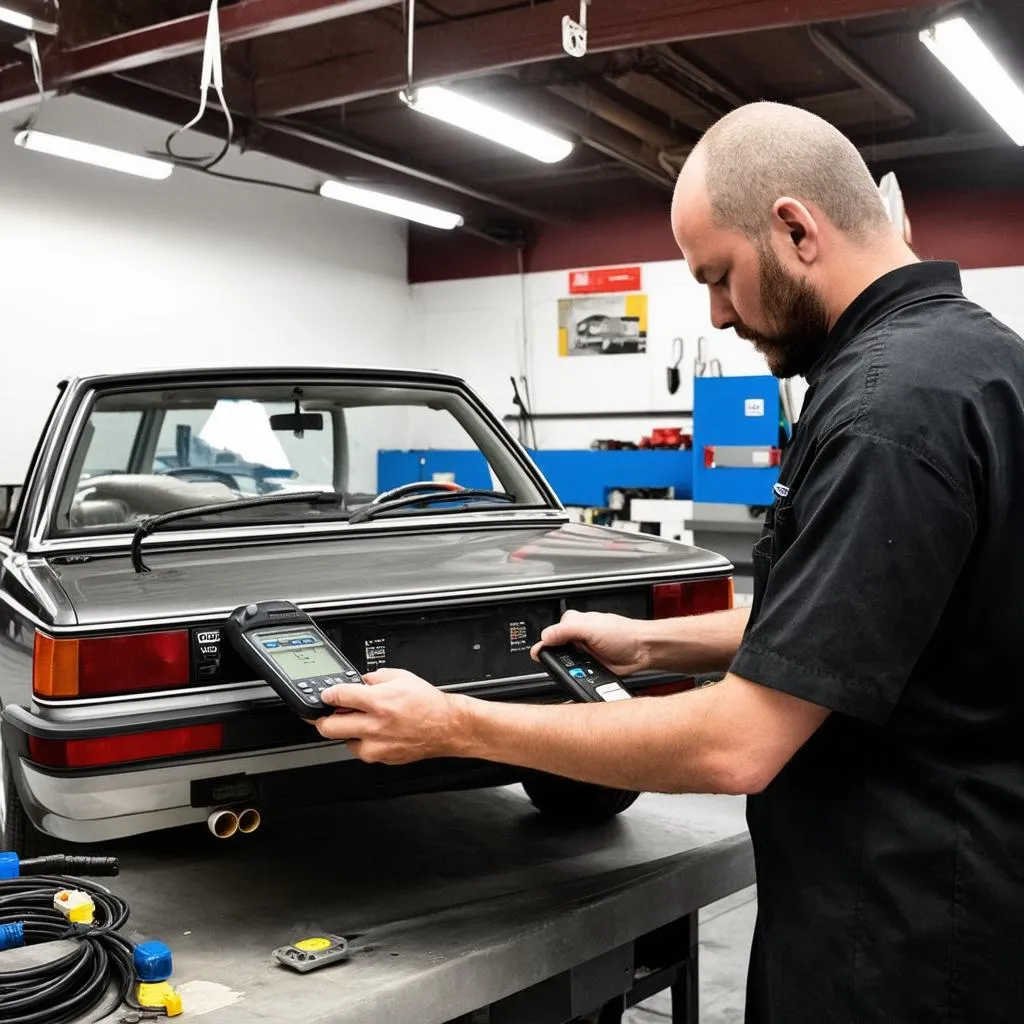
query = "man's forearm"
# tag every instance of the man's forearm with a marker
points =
(697, 643)
(655, 744)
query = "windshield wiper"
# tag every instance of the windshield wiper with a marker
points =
(368, 512)
(148, 526)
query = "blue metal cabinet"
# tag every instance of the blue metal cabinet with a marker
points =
(735, 439)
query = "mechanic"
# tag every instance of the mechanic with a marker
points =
(872, 700)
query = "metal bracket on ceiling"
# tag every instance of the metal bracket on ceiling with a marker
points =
(574, 33)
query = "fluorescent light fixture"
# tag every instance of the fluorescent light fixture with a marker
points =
(957, 45)
(87, 153)
(26, 22)
(17, 19)
(383, 203)
(485, 121)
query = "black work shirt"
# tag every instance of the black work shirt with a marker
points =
(889, 588)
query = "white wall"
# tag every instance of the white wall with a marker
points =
(103, 271)
(475, 328)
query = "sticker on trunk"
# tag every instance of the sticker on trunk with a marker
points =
(518, 637)
(376, 655)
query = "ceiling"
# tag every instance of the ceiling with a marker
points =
(316, 82)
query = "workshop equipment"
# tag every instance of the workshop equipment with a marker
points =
(738, 432)
(673, 375)
(580, 477)
(78, 924)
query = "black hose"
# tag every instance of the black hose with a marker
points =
(71, 987)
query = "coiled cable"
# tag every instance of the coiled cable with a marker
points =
(71, 986)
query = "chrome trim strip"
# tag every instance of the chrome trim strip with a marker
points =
(222, 696)
(69, 410)
(398, 602)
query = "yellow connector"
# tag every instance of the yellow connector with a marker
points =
(75, 905)
(159, 994)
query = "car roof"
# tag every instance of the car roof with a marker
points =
(179, 375)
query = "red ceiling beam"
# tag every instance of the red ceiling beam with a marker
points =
(248, 19)
(531, 33)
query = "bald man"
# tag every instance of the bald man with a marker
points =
(872, 704)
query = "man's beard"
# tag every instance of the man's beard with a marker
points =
(798, 318)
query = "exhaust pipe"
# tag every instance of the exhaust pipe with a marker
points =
(223, 823)
(249, 820)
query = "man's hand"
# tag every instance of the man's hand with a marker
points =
(396, 718)
(614, 640)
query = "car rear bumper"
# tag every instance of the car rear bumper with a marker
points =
(95, 806)
(114, 801)
(268, 757)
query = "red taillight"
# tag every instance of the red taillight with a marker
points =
(103, 666)
(137, 746)
(670, 600)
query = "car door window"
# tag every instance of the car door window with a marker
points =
(113, 441)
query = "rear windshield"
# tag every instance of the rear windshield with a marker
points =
(146, 453)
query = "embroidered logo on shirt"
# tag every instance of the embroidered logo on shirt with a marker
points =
(780, 490)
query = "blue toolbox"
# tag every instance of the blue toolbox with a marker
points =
(738, 431)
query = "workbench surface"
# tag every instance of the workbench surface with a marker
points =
(450, 901)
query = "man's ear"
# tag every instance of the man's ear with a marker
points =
(793, 220)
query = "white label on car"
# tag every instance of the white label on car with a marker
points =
(518, 637)
(753, 407)
(761, 457)
(376, 654)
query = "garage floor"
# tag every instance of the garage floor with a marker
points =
(726, 928)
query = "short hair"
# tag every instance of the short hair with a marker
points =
(763, 151)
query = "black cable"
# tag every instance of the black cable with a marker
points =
(73, 986)
(247, 181)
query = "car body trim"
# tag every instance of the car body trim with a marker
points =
(397, 602)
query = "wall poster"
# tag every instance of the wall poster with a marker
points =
(602, 325)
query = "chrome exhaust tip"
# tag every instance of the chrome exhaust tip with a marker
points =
(249, 820)
(223, 823)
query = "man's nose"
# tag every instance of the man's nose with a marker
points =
(723, 315)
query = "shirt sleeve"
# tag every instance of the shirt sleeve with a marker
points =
(878, 533)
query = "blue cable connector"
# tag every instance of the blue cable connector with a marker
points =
(12, 935)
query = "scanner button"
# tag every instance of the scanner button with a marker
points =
(251, 611)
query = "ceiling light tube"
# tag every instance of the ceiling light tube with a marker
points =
(489, 123)
(383, 203)
(26, 22)
(968, 59)
(100, 156)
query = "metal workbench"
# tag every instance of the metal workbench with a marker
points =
(459, 907)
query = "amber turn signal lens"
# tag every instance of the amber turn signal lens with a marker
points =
(55, 667)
